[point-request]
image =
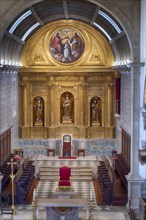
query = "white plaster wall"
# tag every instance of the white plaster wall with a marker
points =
(143, 69)
(126, 103)
(9, 103)
(118, 136)
(142, 168)
(142, 171)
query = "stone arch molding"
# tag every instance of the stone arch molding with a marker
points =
(96, 51)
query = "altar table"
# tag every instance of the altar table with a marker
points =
(61, 202)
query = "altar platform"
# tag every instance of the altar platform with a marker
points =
(44, 158)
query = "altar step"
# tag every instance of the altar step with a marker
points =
(75, 178)
(73, 169)
(52, 174)
(73, 173)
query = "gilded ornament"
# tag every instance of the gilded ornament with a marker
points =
(38, 57)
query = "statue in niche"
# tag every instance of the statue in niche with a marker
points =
(96, 111)
(67, 106)
(38, 111)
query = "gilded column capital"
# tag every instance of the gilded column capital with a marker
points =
(51, 86)
(83, 86)
(110, 85)
(23, 84)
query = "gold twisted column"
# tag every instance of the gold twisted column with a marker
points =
(12, 176)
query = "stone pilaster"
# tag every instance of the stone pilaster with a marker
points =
(134, 180)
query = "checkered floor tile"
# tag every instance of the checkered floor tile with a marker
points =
(83, 187)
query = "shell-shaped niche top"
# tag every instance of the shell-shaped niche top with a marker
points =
(67, 43)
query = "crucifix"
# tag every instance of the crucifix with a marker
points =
(12, 176)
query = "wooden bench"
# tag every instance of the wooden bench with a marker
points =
(105, 181)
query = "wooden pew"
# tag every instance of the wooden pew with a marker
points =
(24, 181)
(122, 169)
(105, 182)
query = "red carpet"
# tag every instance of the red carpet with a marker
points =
(67, 158)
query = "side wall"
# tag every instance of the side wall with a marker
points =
(9, 103)
(126, 103)
(142, 144)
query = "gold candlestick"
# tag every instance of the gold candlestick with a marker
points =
(12, 176)
(34, 206)
(91, 209)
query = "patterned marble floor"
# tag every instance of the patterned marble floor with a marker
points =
(81, 177)
(82, 190)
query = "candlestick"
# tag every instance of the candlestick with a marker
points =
(34, 206)
(90, 210)
(34, 194)
(91, 194)
(12, 176)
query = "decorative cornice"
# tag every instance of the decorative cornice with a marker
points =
(126, 69)
(136, 64)
(123, 69)
(117, 116)
(7, 69)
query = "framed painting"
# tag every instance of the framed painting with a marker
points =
(66, 45)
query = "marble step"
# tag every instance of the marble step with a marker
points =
(73, 178)
(85, 173)
(72, 168)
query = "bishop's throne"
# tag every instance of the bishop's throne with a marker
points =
(66, 145)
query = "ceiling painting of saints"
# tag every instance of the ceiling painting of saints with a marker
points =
(66, 45)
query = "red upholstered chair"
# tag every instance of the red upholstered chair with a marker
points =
(64, 179)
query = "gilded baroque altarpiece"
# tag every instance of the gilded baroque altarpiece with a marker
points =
(66, 83)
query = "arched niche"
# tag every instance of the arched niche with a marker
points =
(96, 111)
(38, 111)
(67, 108)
